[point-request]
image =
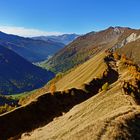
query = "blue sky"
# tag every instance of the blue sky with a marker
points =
(44, 17)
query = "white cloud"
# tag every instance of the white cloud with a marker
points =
(26, 32)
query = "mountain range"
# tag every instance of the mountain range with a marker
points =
(65, 38)
(30, 49)
(94, 95)
(92, 102)
(17, 74)
(87, 46)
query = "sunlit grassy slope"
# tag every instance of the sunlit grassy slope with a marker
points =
(83, 74)
(104, 116)
(110, 114)
(72, 114)
(76, 78)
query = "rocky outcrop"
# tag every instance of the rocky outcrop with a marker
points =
(130, 38)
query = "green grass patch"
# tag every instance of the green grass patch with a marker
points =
(21, 95)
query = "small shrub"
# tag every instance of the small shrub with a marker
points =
(52, 88)
(6, 108)
(123, 58)
(116, 56)
(105, 86)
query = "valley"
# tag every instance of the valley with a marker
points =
(90, 84)
(30, 49)
(119, 105)
(69, 70)
(18, 75)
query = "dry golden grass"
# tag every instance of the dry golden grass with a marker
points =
(103, 116)
(83, 74)
(110, 114)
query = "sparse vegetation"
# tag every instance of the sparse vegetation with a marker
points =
(132, 86)
(6, 108)
(103, 105)
(116, 56)
(105, 86)
(52, 88)
(123, 58)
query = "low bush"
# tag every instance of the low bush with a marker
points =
(6, 108)
(105, 86)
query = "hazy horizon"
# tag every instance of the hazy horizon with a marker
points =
(53, 17)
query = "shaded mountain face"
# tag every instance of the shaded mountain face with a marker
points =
(19, 75)
(86, 46)
(65, 38)
(9, 101)
(30, 49)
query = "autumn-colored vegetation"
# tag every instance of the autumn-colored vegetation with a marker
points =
(131, 86)
(116, 56)
(52, 88)
(6, 108)
(105, 86)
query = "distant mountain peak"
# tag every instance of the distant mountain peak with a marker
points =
(64, 38)
(119, 28)
(31, 49)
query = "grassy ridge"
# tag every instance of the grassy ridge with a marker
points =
(111, 114)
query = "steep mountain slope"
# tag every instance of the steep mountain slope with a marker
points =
(74, 79)
(83, 73)
(32, 50)
(65, 38)
(112, 113)
(18, 75)
(106, 116)
(84, 47)
(49, 104)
